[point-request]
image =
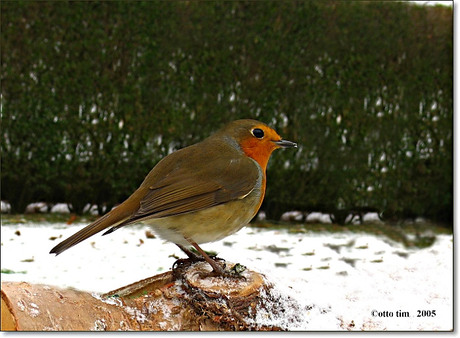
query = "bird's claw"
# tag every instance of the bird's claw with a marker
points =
(234, 272)
(219, 268)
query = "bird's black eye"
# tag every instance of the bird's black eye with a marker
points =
(257, 132)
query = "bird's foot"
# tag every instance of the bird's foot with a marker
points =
(218, 271)
(183, 264)
(219, 268)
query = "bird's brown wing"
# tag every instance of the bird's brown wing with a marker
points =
(186, 189)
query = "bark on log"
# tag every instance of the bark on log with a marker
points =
(179, 300)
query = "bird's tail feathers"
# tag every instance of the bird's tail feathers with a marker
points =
(112, 218)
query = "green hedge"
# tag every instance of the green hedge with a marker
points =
(95, 93)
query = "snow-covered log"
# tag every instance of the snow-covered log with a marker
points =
(184, 299)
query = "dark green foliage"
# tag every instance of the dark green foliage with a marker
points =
(95, 93)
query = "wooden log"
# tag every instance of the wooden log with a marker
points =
(184, 299)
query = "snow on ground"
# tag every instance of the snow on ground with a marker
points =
(343, 281)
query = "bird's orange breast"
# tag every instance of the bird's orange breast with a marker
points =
(259, 152)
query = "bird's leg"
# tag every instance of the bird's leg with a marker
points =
(193, 256)
(217, 269)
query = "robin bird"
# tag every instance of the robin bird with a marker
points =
(198, 194)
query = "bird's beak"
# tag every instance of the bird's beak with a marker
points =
(285, 144)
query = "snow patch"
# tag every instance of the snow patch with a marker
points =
(5, 207)
(318, 217)
(60, 208)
